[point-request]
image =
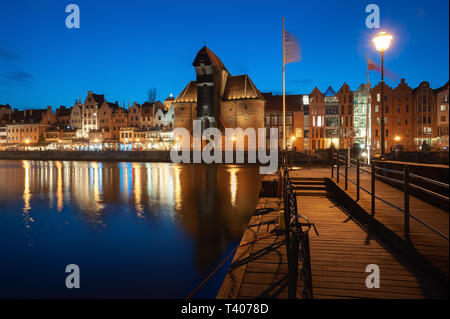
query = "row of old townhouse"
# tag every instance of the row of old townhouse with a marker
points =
(343, 118)
(94, 123)
(314, 121)
(321, 119)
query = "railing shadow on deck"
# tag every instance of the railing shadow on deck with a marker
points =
(404, 248)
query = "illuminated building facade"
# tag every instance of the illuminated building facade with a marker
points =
(323, 119)
(217, 98)
(27, 127)
(361, 117)
(345, 125)
(273, 113)
(442, 116)
(5, 111)
(425, 115)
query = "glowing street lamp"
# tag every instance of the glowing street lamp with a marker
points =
(382, 43)
(397, 138)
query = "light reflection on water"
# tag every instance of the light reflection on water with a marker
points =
(159, 227)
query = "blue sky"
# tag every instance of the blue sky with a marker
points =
(123, 48)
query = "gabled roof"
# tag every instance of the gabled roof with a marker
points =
(99, 98)
(315, 91)
(189, 94)
(240, 87)
(207, 57)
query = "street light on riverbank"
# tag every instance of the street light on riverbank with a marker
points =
(382, 43)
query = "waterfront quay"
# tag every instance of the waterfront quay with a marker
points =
(411, 259)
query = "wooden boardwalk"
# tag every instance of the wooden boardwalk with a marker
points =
(426, 242)
(339, 256)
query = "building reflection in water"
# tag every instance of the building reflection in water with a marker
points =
(211, 203)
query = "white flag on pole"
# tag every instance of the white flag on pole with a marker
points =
(291, 47)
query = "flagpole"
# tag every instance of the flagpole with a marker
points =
(367, 113)
(284, 97)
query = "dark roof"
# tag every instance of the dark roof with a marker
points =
(240, 87)
(189, 94)
(113, 106)
(206, 56)
(274, 103)
(63, 111)
(5, 106)
(99, 98)
(442, 88)
(26, 116)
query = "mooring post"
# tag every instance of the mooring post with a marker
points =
(406, 205)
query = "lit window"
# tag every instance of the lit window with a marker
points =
(442, 107)
(305, 99)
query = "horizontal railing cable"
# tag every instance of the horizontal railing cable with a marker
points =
(338, 159)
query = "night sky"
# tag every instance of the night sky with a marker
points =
(123, 48)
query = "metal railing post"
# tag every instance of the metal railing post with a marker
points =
(309, 159)
(373, 188)
(357, 179)
(406, 205)
(346, 171)
(332, 164)
(306, 264)
(338, 160)
(293, 266)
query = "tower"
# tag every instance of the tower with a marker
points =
(211, 78)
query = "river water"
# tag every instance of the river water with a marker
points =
(135, 230)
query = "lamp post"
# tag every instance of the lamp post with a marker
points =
(382, 42)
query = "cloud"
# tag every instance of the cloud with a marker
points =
(8, 55)
(18, 76)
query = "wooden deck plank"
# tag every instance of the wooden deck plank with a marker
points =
(339, 255)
